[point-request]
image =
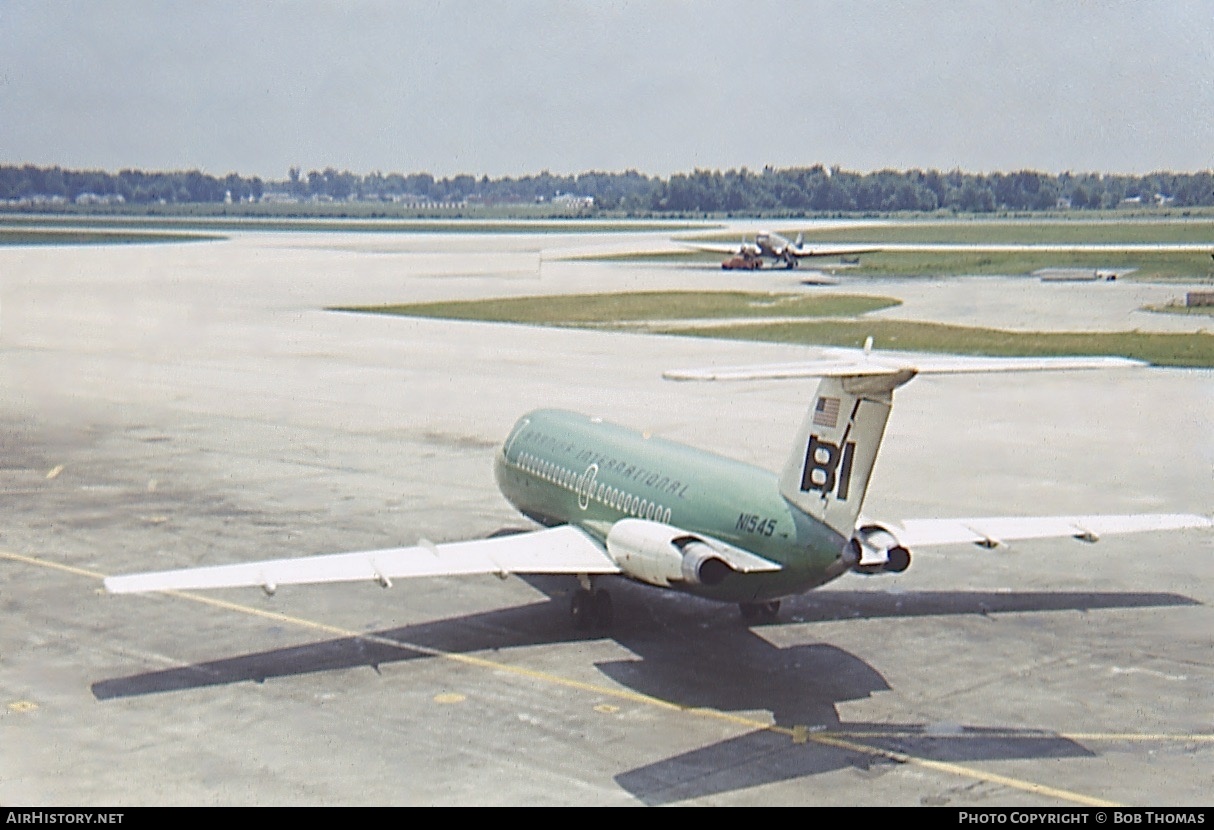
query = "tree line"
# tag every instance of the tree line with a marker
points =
(797, 190)
(37, 185)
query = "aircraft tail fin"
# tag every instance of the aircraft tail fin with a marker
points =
(828, 472)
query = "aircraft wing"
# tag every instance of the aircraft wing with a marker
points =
(713, 248)
(859, 363)
(832, 250)
(564, 549)
(996, 530)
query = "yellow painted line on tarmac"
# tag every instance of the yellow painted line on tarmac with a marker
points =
(822, 738)
(826, 739)
(43, 563)
(1124, 736)
(1012, 734)
(798, 734)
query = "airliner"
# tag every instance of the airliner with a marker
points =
(611, 501)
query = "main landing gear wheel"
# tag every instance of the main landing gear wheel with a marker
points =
(760, 611)
(590, 609)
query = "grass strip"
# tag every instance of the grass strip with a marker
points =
(604, 309)
(653, 309)
(87, 237)
(1159, 348)
(1002, 232)
(1153, 265)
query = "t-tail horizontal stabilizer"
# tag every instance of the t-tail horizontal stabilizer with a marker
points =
(856, 363)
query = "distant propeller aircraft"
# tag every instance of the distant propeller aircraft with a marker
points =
(750, 256)
(613, 501)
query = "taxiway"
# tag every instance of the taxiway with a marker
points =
(178, 405)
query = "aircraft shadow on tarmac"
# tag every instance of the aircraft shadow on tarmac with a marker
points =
(693, 654)
(801, 686)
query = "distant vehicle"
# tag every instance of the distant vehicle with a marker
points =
(742, 262)
(773, 246)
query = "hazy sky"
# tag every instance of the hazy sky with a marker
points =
(661, 86)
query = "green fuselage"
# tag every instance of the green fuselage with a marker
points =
(560, 467)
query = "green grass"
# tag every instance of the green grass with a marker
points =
(1161, 349)
(607, 309)
(1153, 265)
(1148, 265)
(94, 237)
(655, 309)
(1005, 232)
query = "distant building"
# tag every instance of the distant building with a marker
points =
(570, 200)
(96, 199)
(38, 199)
(412, 200)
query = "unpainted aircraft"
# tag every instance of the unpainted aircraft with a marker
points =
(613, 501)
(769, 245)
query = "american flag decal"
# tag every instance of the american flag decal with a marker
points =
(826, 412)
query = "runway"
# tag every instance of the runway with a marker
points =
(179, 405)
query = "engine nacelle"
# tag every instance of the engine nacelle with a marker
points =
(660, 554)
(877, 550)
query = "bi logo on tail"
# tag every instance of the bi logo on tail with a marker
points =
(827, 467)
